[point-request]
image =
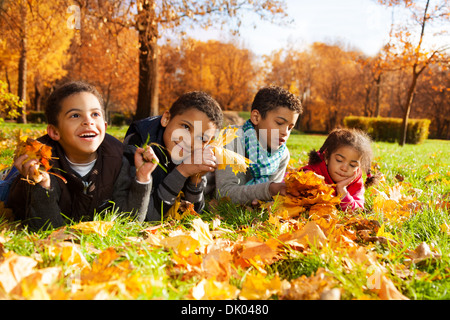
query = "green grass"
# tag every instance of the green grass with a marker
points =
(423, 168)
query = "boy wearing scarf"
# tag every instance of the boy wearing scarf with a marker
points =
(262, 139)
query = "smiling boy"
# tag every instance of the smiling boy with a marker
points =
(262, 139)
(90, 161)
(179, 137)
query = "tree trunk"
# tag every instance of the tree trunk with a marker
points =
(37, 93)
(407, 108)
(22, 79)
(7, 80)
(147, 101)
(378, 96)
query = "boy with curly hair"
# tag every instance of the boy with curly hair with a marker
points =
(179, 137)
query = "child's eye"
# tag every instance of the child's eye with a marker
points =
(185, 126)
(74, 115)
(96, 114)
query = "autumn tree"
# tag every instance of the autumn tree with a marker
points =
(407, 43)
(295, 71)
(105, 54)
(372, 71)
(334, 82)
(222, 69)
(324, 76)
(433, 100)
(152, 18)
(37, 37)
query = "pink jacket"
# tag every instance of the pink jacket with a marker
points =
(355, 190)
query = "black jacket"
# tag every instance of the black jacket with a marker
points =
(166, 186)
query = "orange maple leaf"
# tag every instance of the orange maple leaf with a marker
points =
(36, 151)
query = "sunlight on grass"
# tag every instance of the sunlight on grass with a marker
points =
(144, 261)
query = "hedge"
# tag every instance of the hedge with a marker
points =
(36, 117)
(390, 129)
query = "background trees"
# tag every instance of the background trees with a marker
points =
(406, 47)
(34, 46)
(223, 70)
(152, 17)
(103, 44)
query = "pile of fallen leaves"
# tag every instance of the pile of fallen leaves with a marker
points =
(220, 263)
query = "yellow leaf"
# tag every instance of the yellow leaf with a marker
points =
(68, 252)
(181, 244)
(35, 286)
(310, 234)
(13, 269)
(210, 289)
(258, 287)
(432, 176)
(445, 228)
(201, 232)
(225, 157)
(99, 227)
(382, 233)
(216, 264)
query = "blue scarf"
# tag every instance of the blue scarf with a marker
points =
(264, 164)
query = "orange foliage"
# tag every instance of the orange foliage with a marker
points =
(36, 150)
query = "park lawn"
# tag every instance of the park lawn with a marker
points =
(237, 252)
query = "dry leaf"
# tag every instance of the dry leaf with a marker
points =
(422, 254)
(100, 228)
(35, 286)
(310, 234)
(388, 291)
(36, 151)
(210, 289)
(315, 287)
(259, 287)
(201, 232)
(68, 252)
(181, 244)
(225, 157)
(13, 269)
(216, 264)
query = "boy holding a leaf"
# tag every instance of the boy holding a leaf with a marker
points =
(76, 169)
(179, 138)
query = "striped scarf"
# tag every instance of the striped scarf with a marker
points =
(264, 164)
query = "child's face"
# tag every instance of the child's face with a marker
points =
(81, 127)
(275, 128)
(186, 132)
(343, 163)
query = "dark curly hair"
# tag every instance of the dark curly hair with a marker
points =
(272, 97)
(355, 138)
(201, 101)
(53, 106)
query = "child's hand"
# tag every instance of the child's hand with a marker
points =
(200, 162)
(277, 188)
(30, 170)
(341, 186)
(145, 161)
